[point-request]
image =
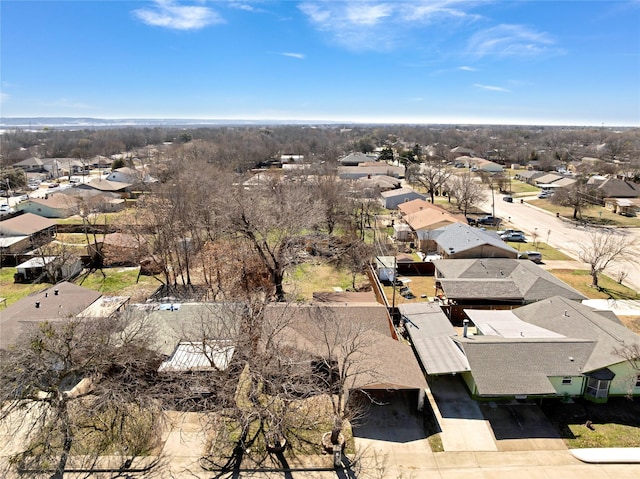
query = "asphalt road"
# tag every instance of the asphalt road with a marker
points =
(561, 234)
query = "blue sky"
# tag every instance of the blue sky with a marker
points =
(449, 61)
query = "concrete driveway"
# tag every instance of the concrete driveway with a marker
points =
(521, 427)
(393, 433)
(464, 428)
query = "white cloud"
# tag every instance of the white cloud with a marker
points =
(242, 6)
(491, 87)
(430, 10)
(511, 40)
(467, 69)
(382, 25)
(364, 14)
(299, 56)
(169, 14)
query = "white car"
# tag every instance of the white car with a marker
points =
(534, 256)
(5, 210)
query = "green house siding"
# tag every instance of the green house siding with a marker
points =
(576, 387)
(45, 211)
(470, 382)
(624, 382)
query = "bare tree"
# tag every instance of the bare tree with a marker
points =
(270, 218)
(466, 191)
(354, 254)
(77, 388)
(577, 196)
(58, 260)
(346, 360)
(432, 176)
(604, 247)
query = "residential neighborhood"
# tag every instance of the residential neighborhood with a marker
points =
(366, 312)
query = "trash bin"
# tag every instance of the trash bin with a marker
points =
(557, 215)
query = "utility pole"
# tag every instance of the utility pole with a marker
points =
(493, 201)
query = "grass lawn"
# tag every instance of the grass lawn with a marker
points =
(581, 280)
(75, 238)
(308, 278)
(13, 291)
(419, 285)
(520, 188)
(593, 214)
(631, 322)
(615, 423)
(119, 282)
(101, 219)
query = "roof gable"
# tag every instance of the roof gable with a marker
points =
(500, 278)
(461, 237)
(578, 320)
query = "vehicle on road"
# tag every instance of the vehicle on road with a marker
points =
(514, 236)
(534, 256)
(508, 198)
(489, 221)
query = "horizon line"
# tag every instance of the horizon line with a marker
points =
(451, 122)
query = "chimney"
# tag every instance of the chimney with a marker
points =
(466, 327)
(37, 304)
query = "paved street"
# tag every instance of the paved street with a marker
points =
(560, 234)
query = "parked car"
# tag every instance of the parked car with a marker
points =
(508, 198)
(6, 209)
(489, 220)
(534, 256)
(545, 194)
(471, 221)
(514, 236)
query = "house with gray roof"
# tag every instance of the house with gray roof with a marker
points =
(392, 198)
(461, 241)
(356, 158)
(57, 205)
(547, 179)
(59, 302)
(616, 188)
(529, 176)
(552, 348)
(556, 347)
(496, 283)
(377, 183)
(366, 170)
(105, 185)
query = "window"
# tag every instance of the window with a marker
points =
(567, 380)
(638, 381)
(597, 388)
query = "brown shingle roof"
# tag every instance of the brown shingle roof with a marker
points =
(25, 224)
